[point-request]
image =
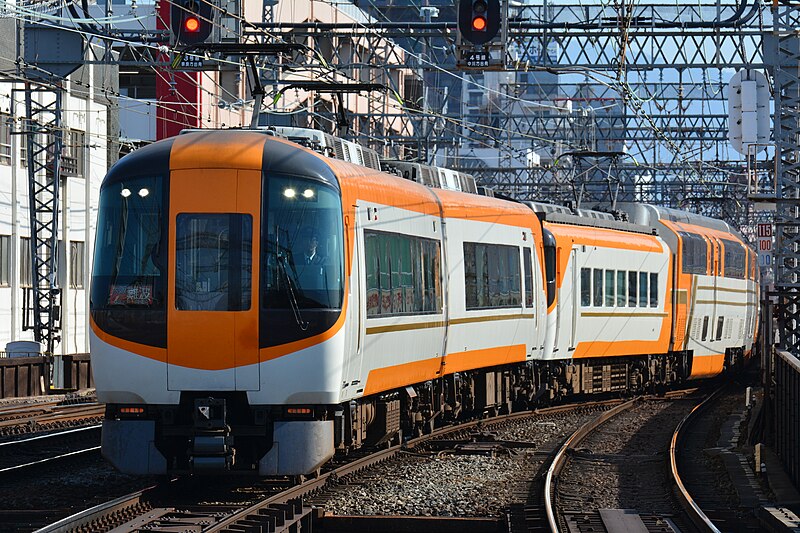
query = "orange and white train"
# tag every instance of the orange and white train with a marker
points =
(256, 305)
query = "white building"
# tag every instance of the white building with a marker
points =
(84, 163)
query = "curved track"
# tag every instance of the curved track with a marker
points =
(613, 472)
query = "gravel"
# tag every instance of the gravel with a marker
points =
(446, 484)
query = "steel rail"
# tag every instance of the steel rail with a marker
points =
(52, 459)
(49, 436)
(93, 514)
(560, 457)
(696, 514)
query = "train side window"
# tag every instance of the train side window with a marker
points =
(586, 287)
(622, 288)
(513, 278)
(550, 265)
(403, 274)
(492, 276)
(654, 290)
(526, 257)
(705, 328)
(610, 289)
(695, 253)
(720, 323)
(633, 279)
(598, 287)
(735, 259)
(643, 289)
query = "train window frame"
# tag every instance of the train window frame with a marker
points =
(610, 288)
(586, 287)
(492, 278)
(197, 294)
(735, 257)
(418, 290)
(622, 288)
(597, 287)
(694, 259)
(633, 288)
(643, 291)
(653, 289)
(527, 259)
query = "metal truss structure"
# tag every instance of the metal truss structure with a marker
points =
(43, 132)
(786, 70)
(662, 68)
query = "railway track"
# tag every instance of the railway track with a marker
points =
(191, 507)
(622, 471)
(18, 457)
(542, 499)
(21, 419)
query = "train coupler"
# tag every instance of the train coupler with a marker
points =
(211, 445)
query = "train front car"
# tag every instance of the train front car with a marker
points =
(217, 306)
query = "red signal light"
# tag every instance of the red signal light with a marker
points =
(191, 24)
(479, 23)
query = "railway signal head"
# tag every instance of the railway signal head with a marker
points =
(479, 20)
(191, 21)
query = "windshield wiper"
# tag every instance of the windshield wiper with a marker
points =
(290, 290)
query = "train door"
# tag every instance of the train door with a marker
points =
(358, 304)
(572, 272)
(212, 316)
(716, 274)
(559, 304)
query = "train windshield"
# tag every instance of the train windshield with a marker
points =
(129, 269)
(303, 247)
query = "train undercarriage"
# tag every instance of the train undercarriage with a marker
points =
(220, 432)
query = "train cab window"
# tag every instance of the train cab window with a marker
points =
(653, 289)
(302, 259)
(586, 287)
(526, 256)
(643, 289)
(492, 275)
(130, 259)
(633, 284)
(597, 276)
(610, 289)
(213, 261)
(622, 288)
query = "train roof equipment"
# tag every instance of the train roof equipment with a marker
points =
(560, 214)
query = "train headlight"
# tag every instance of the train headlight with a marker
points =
(143, 192)
(308, 193)
(289, 193)
(125, 192)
